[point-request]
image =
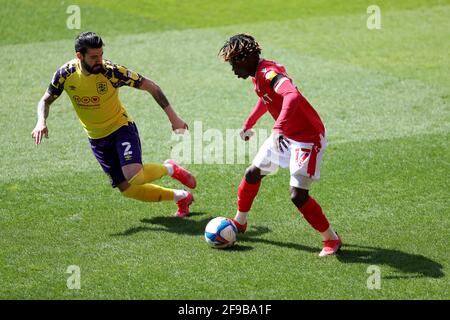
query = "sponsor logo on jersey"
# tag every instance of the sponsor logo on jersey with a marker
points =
(87, 101)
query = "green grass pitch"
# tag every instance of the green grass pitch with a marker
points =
(383, 95)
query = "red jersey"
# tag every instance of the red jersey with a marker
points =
(294, 117)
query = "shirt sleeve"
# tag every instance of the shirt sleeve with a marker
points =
(258, 111)
(291, 98)
(275, 79)
(122, 76)
(56, 86)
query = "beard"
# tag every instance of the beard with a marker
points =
(95, 69)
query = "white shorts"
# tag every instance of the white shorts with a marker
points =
(303, 160)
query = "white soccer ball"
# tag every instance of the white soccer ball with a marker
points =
(220, 233)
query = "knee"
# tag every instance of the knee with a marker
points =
(299, 196)
(253, 175)
(133, 173)
(123, 187)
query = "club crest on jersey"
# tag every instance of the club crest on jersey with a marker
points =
(102, 87)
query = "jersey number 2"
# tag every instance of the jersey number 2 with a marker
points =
(127, 151)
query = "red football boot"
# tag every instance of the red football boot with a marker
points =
(330, 247)
(183, 206)
(182, 175)
(240, 227)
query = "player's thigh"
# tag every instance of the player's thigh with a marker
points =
(128, 149)
(105, 152)
(305, 163)
(268, 159)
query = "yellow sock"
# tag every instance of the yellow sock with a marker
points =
(149, 172)
(148, 192)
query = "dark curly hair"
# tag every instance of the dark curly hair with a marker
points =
(239, 47)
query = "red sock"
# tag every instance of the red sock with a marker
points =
(246, 193)
(313, 213)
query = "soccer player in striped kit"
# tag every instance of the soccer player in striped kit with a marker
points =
(297, 141)
(92, 85)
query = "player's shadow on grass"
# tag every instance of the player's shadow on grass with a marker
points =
(409, 265)
(186, 226)
(176, 225)
(170, 224)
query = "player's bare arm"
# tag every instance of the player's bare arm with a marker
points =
(43, 109)
(152, 88)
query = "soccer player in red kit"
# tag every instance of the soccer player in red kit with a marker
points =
(297, 141)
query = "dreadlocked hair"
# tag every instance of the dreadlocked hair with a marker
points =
(239, 47)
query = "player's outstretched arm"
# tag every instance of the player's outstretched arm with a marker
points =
(258, 111)
(43, 109)
(152, 88)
